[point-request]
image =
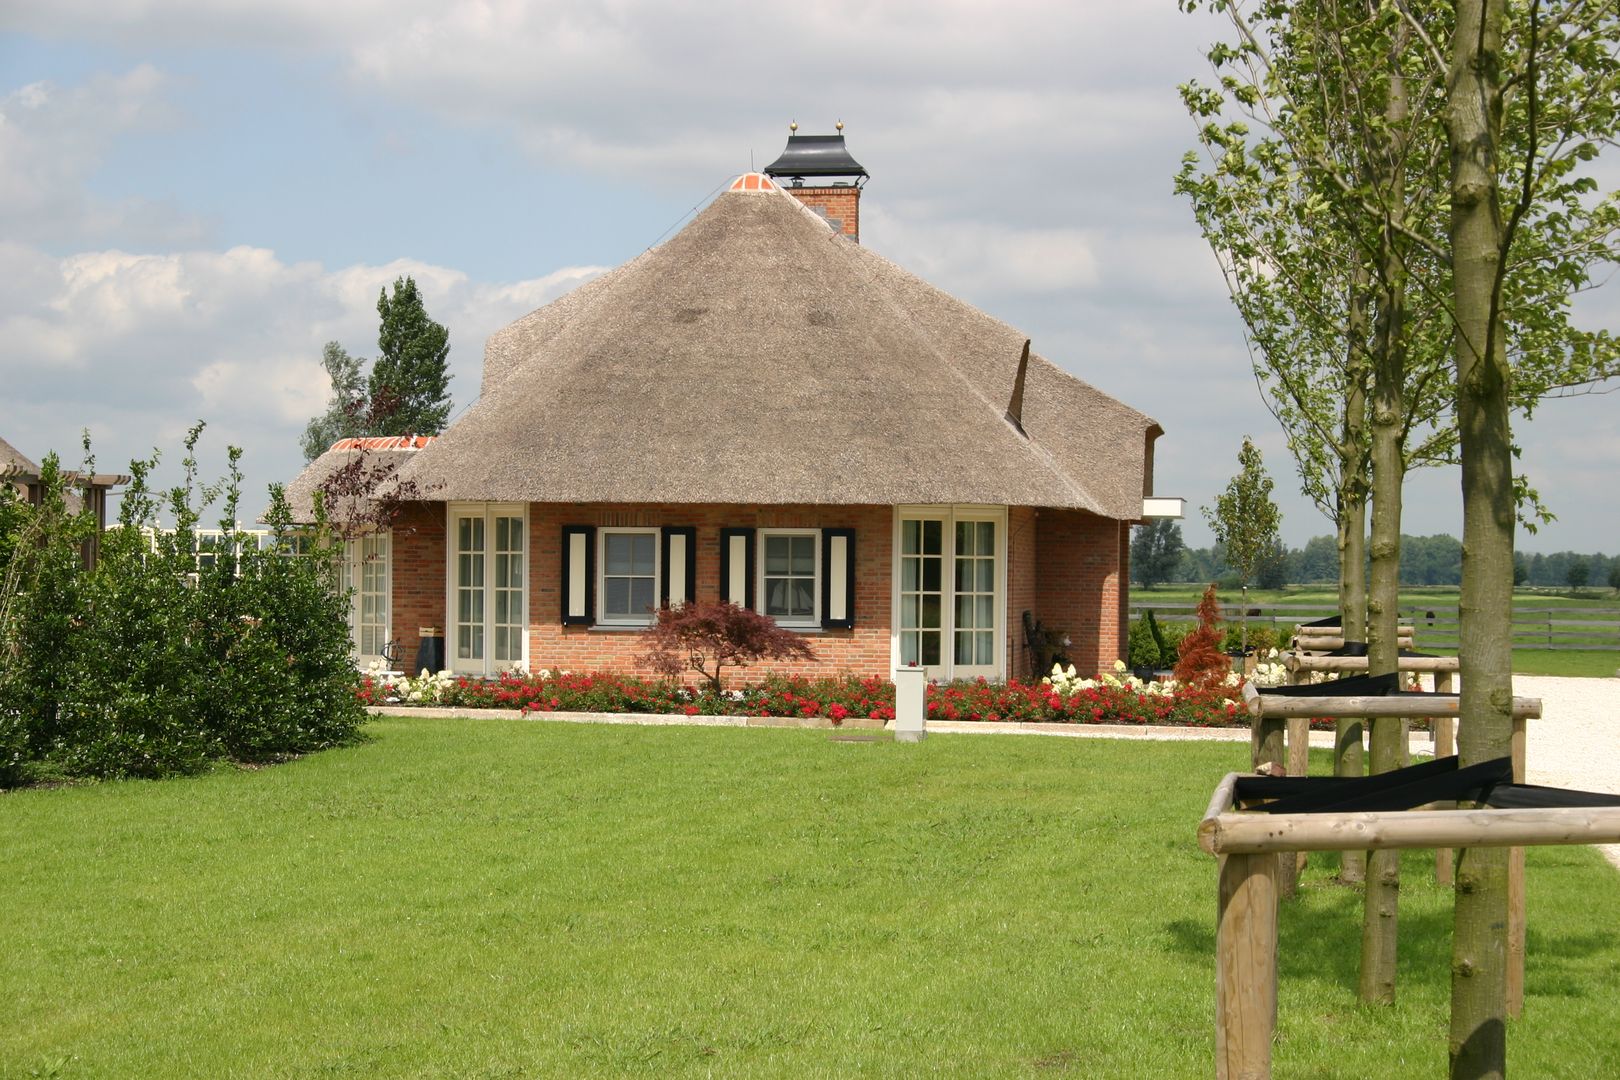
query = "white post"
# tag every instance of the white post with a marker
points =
(910, 697)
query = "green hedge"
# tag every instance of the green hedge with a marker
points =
(149, 666)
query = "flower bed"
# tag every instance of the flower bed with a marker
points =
(1063, 698)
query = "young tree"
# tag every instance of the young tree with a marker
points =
(710, 635)
(410, 383)
(347, 409)
(1614, 574)
(1327, 216)
(1156, 551)
(1200, 663)
(1245, 521)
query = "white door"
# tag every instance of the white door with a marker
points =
(950, 591)
(366, 571)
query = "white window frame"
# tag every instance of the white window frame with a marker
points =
(804, 622)
(353, 579)
(487, 664)
(949, 516)
(602, 533)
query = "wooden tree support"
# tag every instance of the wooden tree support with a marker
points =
(1246, 934)
(1268, 709)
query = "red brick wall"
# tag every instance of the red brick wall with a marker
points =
(1021, 575)
(1066, 567)
(840, 204)
(1079, 587)
(418, 585)
(863, 650)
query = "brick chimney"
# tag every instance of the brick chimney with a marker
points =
(818, 171)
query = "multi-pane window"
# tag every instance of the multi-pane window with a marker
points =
(488, 605)
(371, 597)
(949, 591)
(508, 621)
(470, 588)
(975, 593)
(788, 577)
(364, 577)
(629, 562)
(922, 557)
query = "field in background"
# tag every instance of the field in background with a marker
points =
(1553, 632)
(503, 898)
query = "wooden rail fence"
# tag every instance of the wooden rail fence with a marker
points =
(1556, 628)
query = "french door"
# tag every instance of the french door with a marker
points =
(949, 590)
(487, 596)
(366, 572)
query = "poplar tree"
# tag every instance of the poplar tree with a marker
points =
(410, 382)
(1245, 521)
(346, 409)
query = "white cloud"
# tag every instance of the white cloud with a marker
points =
(136, 346)
(52, 139)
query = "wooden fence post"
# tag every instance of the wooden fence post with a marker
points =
(1515, 886)
(1299, 764)
(1270, 748)
(1445, 745)
(1245, 967)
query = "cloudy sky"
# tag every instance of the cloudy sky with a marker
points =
(195, 195)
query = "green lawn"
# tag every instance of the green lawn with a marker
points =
(494, 898)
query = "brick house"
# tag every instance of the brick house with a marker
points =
(762, 410)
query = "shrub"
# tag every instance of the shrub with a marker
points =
(1262, 639)
(41, 596)
(146, 665)
(708, 636)
(1202, 663)
(1171, 636)
(1143, 647)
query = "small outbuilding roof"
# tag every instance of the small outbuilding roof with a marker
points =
(760, 357)
(379, 460)
(14, 465)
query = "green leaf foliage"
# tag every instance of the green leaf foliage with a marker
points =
(1244, 519)
(163, 657)
(410, 382)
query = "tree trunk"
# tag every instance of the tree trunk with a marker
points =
(1382, 902)
(1474, 124)
(1348, 759)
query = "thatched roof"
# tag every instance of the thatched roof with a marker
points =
(14, 466)
(372, 462)
(759, 357)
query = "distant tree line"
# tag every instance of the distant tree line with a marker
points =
(1158, 556)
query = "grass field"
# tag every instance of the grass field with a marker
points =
(1599, 606)
(499, 898)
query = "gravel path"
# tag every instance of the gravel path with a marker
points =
(1576, 743)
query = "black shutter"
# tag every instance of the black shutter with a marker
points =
(737, 557)
(578, 591)
(837, 579)
(678, 557)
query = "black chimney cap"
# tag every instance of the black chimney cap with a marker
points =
(815, 155)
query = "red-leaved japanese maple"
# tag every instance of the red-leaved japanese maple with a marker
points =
(709, 636)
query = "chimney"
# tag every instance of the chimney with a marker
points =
(818, 171)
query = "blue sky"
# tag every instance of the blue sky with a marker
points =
(194, 197)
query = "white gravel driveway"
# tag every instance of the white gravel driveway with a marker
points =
(1576, 743)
